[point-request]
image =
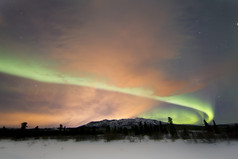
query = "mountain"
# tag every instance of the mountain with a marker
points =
(123, 123)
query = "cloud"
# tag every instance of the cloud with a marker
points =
(51, 104)
(122, 45)
(152, 45)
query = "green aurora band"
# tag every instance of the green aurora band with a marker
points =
(180, 115)
(35, 70)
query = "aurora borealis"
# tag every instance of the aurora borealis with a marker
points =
(72, 62)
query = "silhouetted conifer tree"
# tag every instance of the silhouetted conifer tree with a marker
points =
(207, 126)
(23, 125)
(60, 127)
(172, 129)
(216, 130)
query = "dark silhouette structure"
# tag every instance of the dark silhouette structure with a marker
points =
(172, 129)
(216, 130)
(151, 128)
(60, 127)
(207, 126)
(23, 125)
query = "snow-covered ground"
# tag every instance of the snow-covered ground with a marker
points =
(52, 149)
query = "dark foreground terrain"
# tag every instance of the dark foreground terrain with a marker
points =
(130, 129)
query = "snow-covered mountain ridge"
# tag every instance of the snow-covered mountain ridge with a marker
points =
(123, 123)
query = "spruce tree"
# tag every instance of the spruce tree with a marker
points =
(207, 126)
(172, 129)
(216, 130)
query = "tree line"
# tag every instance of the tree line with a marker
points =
(206, 133)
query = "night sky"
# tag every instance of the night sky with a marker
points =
(75, 61)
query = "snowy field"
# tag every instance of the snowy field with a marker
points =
(52, 149)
